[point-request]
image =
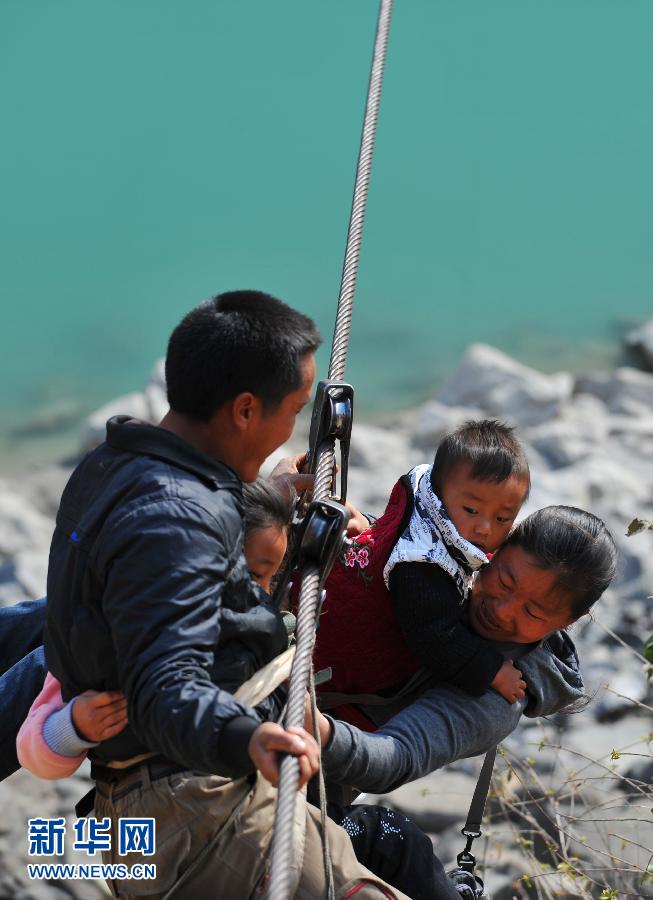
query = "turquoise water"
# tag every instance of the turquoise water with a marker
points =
(154, 153)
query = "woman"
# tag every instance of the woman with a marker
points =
(553, 568)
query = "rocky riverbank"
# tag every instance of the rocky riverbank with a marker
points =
(590, 443)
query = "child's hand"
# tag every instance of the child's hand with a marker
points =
(98, 716)
(357, 521)
(509, 683)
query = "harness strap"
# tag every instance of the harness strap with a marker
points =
(332, 699)
(472, 827)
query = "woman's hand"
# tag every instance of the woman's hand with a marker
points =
(325, 727)
(509, 683)
(270, 739)
(98, 716)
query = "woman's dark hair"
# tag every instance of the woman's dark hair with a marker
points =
(576, 545)
(491, 450)
(237, 342)
(265, 505)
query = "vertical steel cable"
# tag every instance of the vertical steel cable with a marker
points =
(281, 851)
(357, 218)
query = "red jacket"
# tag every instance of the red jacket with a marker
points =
(358, 635)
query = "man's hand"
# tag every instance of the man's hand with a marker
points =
(509, 683)
(99, 716)
(288, 474)
(270, 739)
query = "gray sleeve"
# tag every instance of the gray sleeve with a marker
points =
(552, 675)
(60, 734)
(445, 724)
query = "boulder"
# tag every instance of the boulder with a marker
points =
(581, 425)
(490, 380)
(95, 427)
(22, 528)
(158, 374)
(620, 695)
(378, 457)
(433, 420)
(641, 341)
(625, 391)
(155, 393)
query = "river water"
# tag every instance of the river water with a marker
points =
(155, 153)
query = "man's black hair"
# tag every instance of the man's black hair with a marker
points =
(488, 447)
(241, 341)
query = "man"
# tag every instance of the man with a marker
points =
(148, 591)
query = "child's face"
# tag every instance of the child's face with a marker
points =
(482, 511)
(265, 549)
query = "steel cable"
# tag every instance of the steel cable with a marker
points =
(340, 344)
(281, 851)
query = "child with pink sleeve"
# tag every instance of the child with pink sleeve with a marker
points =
(55, 737)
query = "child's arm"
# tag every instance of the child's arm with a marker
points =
(48, 743)
(427, 604)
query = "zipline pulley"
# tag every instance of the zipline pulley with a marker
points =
(322, 535)
(331, 421)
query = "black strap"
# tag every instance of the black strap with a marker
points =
(85, 805)
(472, 827)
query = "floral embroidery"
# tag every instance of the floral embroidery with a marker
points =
(358, 552)
(350, 558)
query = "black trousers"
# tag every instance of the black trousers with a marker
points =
(395, 849)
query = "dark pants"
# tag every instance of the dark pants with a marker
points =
(395, 849)
(22, 673)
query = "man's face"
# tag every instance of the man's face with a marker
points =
(272, 428)
(515, 600)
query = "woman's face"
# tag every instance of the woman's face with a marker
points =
(265, 549)
(515, 600)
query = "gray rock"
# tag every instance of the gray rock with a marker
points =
(155, 393)
(625, 391)
(582, 425)
(641, 341)
(433, 420)
(150, 405)
(157, 403)
(436, 802)
(489, 379)
(22, 528)
(616, 699)
(43, 488)
(94, 431)
(158, 375)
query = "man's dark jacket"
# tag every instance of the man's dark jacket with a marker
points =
(148, 592)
